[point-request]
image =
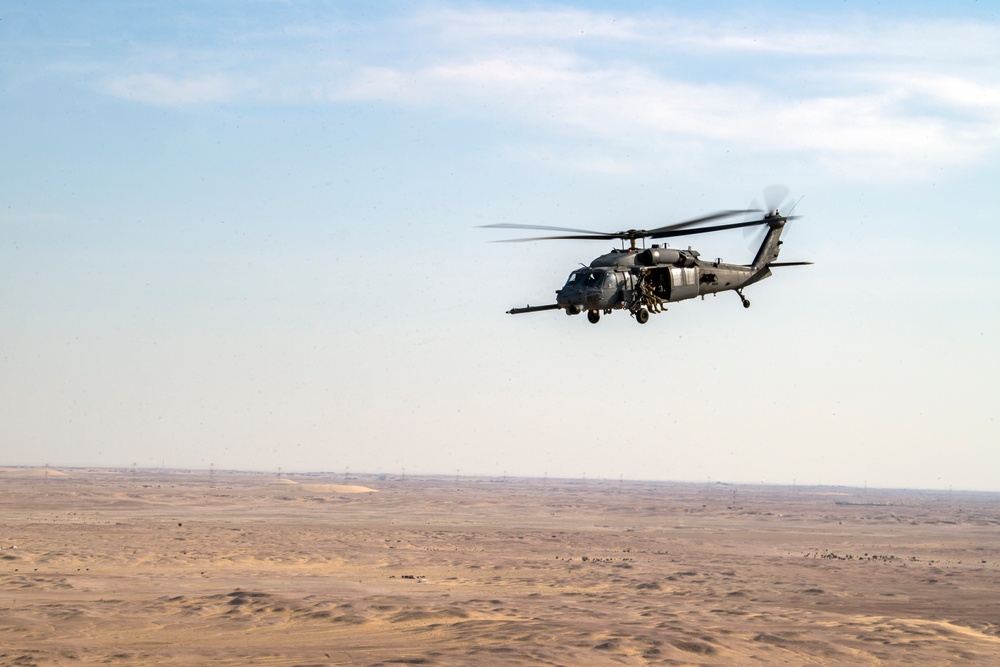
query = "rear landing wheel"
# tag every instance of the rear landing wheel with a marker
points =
(642, 316)
(746, 303)
(594, 316)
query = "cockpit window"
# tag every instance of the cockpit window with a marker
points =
(599, 279)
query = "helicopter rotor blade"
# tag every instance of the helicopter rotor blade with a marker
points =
(660, 233)
(754, 237)
(629, 234)
(772, 197)
(705, 230)
(582, 237)
(683, 228)
(508, 225)
(695, 221)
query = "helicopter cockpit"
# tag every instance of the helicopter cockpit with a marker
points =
(575, 279)
(590, 278)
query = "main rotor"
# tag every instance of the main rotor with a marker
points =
(683, 228)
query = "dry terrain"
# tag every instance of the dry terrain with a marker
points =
(141, 567)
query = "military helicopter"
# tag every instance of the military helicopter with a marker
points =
(643, 280)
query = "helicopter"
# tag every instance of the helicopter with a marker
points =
(643, 280)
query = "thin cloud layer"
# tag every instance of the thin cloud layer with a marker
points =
(901, 99)
(172, 91)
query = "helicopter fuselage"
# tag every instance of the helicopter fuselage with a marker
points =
(658, 274)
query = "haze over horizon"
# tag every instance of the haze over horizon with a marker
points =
(246, 235)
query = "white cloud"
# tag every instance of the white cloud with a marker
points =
(893, 128)
(799, 34)
(487, 25)
(899, 99)
(164, 90)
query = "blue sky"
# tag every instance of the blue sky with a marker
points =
(245, 234)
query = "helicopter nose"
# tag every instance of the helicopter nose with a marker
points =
(569, 298)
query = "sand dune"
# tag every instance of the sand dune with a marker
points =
(147, 568)
(32, 472)
(325, 488)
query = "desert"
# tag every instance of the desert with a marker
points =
(143, 567)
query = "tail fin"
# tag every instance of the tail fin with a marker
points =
(769, 248)
(771, 245)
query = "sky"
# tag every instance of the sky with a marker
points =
(248, 235)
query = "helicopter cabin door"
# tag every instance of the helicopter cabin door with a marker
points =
(683, 283)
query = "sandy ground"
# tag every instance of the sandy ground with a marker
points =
(144, 567)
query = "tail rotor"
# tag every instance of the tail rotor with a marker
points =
(774, 199)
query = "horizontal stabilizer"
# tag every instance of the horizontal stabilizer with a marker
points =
(789, 263)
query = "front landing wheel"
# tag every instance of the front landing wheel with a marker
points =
(594, 316)
(642, 316)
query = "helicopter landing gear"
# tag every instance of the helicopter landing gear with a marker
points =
(594, 316)
(642, 316)
(746, 301)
